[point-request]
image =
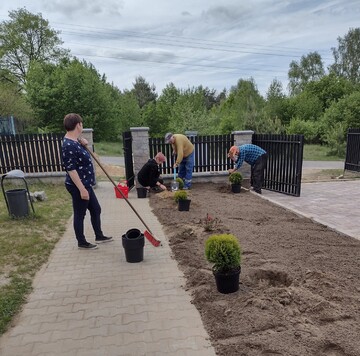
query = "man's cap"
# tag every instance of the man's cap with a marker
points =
(233, 150)
(160, 156)
(168, 137)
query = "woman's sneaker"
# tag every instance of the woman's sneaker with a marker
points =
(87, 246)
(102, 239)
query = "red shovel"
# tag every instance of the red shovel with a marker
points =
(147, 233)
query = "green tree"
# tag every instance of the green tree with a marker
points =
(347, 56)
(306, 106)
(187, 109)
(346, 111)
(243, 108)
(165, 108)
(309, 69)
(26, 38)
(340, 116)
(275, 101)
(187, 117)
(129, 112)
(329, 89)
(13, 102)
(143, 91)
(72, 86)
(309, 129)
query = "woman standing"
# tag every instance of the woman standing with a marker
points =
(80, 178)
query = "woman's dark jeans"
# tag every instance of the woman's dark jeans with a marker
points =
(79, 207)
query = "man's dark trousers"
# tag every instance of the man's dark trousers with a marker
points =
(257, 172)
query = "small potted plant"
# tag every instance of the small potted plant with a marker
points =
(181, 183)
(181, 197)
(235, 179)
(225, 253)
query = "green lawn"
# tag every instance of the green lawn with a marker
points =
(112, 149)
(26, 243)
(319, 153)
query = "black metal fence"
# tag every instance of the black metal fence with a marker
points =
(42, 153)
(210, 152)
(31, 153)
(284, 165)
(352, 160)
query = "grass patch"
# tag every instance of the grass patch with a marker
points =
(113, 149)
(26, 244)
(319, 153)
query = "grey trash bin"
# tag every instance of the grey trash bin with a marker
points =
(17, 199)
(17, 202)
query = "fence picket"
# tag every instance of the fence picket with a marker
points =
(32, 153)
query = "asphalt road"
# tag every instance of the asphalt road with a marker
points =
(323, 164)
(116, 161)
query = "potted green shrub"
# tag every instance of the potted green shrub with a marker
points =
(224, 252)
(181, 197)
(235, 179)
(181, 183)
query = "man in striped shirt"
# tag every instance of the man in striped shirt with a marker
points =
(256, 157)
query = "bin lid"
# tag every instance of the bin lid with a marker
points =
(16, 173)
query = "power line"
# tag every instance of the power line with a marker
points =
(182, 38)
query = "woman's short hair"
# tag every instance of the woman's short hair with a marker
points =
(71, 120)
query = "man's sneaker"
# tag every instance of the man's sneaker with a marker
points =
(100, 240)
(87, 246)
(186, 188)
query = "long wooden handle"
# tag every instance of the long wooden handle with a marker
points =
(117, 188)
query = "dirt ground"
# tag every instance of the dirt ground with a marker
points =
(299, 284)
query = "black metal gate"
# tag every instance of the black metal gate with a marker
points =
(128, 159)
(352, 160)
(284, 165)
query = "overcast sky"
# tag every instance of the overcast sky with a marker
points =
(195, 42)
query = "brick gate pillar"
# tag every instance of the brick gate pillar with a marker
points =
(140, 147)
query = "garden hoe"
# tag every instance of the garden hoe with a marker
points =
(147, 233)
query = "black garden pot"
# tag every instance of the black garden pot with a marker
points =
(236, 188)
(133, 243)
(227, 282)
(184, 205)
(141, 192)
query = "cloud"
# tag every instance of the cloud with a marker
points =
(196, 42)
(80, 9)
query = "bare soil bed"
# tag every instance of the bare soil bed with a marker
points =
(299, 283)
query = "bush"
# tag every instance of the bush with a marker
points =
(235, 178)
(309, 129)
(223, 251)
(181, 183)
(180, 195)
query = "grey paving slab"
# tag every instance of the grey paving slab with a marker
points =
(335, 204)
(96, 303)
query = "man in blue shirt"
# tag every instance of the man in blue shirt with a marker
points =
(256, 157)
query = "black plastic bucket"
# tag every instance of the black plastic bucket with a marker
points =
(141, 192)
(133, 242)
(17, 202)
(184, 205)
